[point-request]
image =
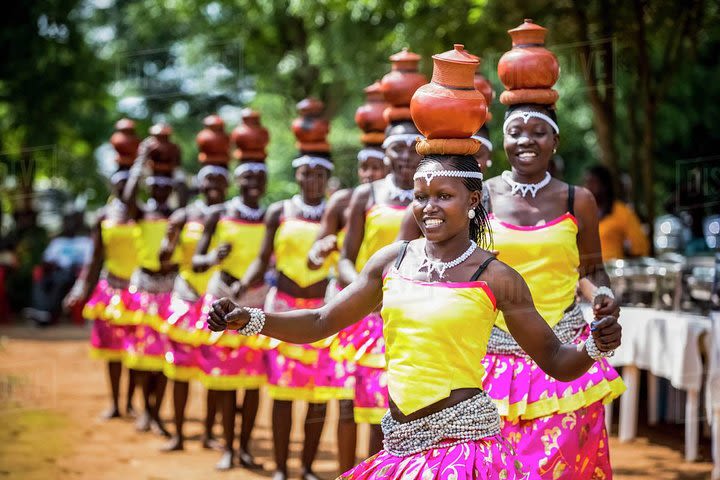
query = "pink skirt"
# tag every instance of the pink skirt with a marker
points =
(107, 339)
(554, 426)
(307, 371)
(145, 341)
(363, 345)
(570, 445)
(490, 458)
(181, 357)
(233, 361)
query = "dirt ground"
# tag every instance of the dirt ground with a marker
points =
(51, 394)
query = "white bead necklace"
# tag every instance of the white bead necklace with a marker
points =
(397, 193)
(525, 188)
(201, 206)
(440, 267)
(313, 212)
(246, 212)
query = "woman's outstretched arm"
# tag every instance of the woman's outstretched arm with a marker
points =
(561, 361)
(306, 326)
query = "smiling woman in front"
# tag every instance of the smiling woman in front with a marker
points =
(441, 295)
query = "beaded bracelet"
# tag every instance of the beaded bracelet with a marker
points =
(315, 258)
(256, 323)
(593, 351)
(604, 291)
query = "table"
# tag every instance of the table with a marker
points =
(667, 344)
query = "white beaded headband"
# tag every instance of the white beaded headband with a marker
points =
(212, 170)
(484, 141)
(159, 181)
(119, 176)
(250, 167)
(366, 153)
(407, 138)
(313, 162)
(429, 175)
(527, 116)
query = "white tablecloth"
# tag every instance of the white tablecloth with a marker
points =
(665, 343)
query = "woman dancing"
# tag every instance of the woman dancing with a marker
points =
(235, 232)
(547, 230)
(184, 231)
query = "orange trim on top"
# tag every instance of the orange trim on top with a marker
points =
(552, 222)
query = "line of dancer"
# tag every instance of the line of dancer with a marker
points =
(438, 308)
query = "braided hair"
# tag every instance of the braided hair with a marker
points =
(480, 230)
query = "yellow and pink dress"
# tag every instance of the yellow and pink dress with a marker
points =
(103, 308)
(232, 361)
(301, 372)
(146, 303)
(362, 344)
(436, 334)
(183, 336)
(556, 427)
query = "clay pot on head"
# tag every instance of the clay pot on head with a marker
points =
(369, 116)
(163, 154)
(400, 84)
(310, 128)
(450, 106)
(125, 142)
(250, 137)
(528, 65)
(213, 142)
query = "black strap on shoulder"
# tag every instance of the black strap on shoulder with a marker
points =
(571, 199)
(401, 253)
(482, 268)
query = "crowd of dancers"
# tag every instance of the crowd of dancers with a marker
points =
(439, 308)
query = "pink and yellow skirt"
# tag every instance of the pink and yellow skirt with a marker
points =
(490, 458)
(181, 356)
(303, 372)
(363, 345)
(144, 316)
(107, 339)
(230, 362)
(558, 428)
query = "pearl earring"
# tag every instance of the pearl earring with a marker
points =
(554, 150)
(471, 214)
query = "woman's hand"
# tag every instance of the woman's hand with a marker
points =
(604, 306)
(226, 314)
(607, 333)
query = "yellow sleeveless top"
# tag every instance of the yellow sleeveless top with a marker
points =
(189, 238)
(246, 239)
(547, 257)
(382, 226)
(436, 335)
(148, 242)
(119, 244)
(293, 240)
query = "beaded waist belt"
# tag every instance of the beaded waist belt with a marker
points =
(184, 290)
(115, 281)
(567, 330)
(153, 283)
(470, 420)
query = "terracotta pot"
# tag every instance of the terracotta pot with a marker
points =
(310, 128)
(369, 116)
(250, 137)
(400, 84)
(450, 106)
(163, 154)
(213, 142)
(528, 64)
(125, 142)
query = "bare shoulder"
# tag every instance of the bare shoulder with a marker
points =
(340, 199)
(384, 258)
(274, 213)
(503, 280)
